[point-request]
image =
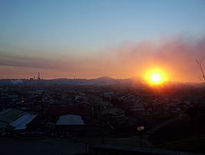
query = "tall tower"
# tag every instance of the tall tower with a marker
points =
(39, 76)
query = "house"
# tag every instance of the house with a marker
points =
(70, 125)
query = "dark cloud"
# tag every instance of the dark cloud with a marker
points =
(28, 62)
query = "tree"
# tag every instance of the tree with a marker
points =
(200, 62)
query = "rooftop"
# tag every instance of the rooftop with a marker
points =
(70, 120)
(10, 115)
(22, 121)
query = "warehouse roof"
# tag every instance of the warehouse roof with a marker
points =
(70, 120)
(10, 115)
(22, 121)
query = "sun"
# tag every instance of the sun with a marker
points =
(155, 76)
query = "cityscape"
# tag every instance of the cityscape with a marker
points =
(104, 112)
(102, 77)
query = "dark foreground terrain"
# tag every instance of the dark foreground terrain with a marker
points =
(34, 146)
(42, 117)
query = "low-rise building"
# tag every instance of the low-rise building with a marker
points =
(69, 124)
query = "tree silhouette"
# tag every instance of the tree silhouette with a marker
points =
(200, 62)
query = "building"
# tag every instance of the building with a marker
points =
(21, 122)
(14, 119)
(70, 125)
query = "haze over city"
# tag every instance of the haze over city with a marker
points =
(89, 39)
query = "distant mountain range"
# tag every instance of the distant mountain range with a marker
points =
(97, 81)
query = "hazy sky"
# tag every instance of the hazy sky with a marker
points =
(91, 38)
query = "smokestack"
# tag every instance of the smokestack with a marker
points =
(39, 77)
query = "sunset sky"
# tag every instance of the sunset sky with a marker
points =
(93, 38)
